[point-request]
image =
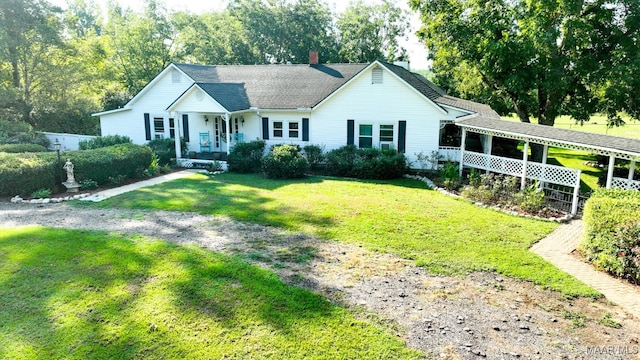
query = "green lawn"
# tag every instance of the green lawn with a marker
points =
(597, 124)
(92, 295)
(403, 217)
(577, 160)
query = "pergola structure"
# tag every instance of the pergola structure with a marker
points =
(611, 146)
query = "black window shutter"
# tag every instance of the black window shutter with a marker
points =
(265, 128)
(185, 126)
(402, 136)
(147, 126)
(305, 129)
(351, 124)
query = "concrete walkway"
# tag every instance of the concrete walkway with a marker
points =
(99, 196)
(557, 247)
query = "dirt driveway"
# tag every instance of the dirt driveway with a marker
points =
(479, 315)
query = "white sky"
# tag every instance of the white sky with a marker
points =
(417, 51)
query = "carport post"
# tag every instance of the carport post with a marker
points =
(525, 156)
(632, 169)
(576, 194)
(462, 146)
(612, 164)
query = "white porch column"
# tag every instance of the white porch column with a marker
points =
(487, 152)
(612, 163)
(576, 196)
(462, 146)
(176, 139)
(227, 119)
(545, 154)
(632, 169)
(525, 157)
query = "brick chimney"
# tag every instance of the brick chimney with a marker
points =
(313, 58)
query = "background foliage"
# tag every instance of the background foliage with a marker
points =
(57, 66)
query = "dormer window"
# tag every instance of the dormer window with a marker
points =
(376, 75)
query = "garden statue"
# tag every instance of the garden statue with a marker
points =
(68, 167)
(70, 184)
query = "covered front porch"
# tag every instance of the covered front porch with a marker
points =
(479, 154)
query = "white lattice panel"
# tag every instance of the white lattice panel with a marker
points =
(185, 163)
(545, 173)
(626, 184)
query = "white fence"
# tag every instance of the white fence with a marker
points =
(626, 184)
(67, 141)
(536, 171)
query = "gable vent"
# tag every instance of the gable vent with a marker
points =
(176, 77)
(376, 76)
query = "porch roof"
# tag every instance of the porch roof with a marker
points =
(620, 147)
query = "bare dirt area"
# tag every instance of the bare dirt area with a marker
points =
(475, 316)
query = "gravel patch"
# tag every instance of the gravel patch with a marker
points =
(475, 316)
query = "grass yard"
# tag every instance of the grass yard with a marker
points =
(576, 160)
(597, 125)
(93, 295)
(403, 217)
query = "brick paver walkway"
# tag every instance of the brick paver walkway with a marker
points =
(557, 247)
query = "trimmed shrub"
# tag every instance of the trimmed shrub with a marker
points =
(103, 141)
(314, 155)
(165, 149)
(341, 161)
(284, 162)
(246, 157)
(22, 148)
(22, 174)
(369, 163)
(611, 217)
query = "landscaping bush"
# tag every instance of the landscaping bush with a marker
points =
(18, 132)
(22, 148)
(246, 157)
(22, 174)
(341, 161)
(350, 161)
(611, 221)
(314, 155)
(284, 162)
(165, 149)
(103, 141)
(531, 199)
(450, 175)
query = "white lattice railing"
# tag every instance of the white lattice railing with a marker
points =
(626, 184)
(536, 171)
(198, 163)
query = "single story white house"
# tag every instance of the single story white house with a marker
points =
(369, 105)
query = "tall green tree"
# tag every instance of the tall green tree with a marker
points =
(29, 30)
(543, 58)
(140, 45)
(283, 31)
(371, 32)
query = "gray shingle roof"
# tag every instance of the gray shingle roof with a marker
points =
(278, 86)
(232, 97)
(305, 86)
(549, 134)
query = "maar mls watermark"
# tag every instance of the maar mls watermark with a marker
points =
(613, 350)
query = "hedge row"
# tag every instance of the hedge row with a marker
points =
(22, 148)
(287, 161)
(610, 215)
(22, 174)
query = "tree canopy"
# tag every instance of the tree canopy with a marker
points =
(59, 66)
(538, 58)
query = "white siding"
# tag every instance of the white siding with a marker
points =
(154, 101)
(378, 104)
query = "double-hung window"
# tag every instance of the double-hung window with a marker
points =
(158, 127)
(293, 130)
(386, 133)
(365, 139)
(277, 129)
